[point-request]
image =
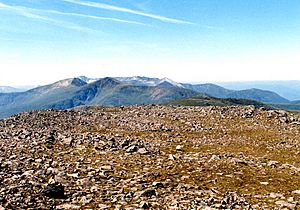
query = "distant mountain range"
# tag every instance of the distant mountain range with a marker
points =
(209, 89)
(288, 89)
(7, 89)
(118, 91)
(74, 92)
(253, 94)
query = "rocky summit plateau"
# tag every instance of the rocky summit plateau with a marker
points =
(151, 157)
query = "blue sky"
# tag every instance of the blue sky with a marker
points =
(42, 41)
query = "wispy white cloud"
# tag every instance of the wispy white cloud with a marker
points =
(27, 12)
(92, 17)
(130, 11)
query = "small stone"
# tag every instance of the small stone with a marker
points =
(144, 205)
(49, 170)
(218, 206)
(142, 151)
(50, 141)
(185, 177)
(13, 157)
(54, 164)
(214, 158)
(103, 206)
(103, 175)
(179, 148)
(239, 161)
(273, 164)
(75, 175)
(68, 141)
(296, 192)
(106, 168)
(28, 173)
(172, 157)
(38, 160)
(55, 191)
(264, 183)
(85, 200)
(275, 195)
(132, 149)
(125, 143)
(94, 189)
(148, 193)
(157, 184)
(67, 206)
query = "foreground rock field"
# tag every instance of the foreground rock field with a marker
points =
(151, 157)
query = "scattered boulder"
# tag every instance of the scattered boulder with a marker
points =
(56, 191)
(296, 192)
(149, 193)
(179, 148)
(273, 164)
(143, 151)
(157, 184)
(132, 149)
(68, 141)
(144, 205)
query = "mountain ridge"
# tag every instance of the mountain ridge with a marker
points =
(73, 92)
(117, 91)
(289, 89)
(211, 89)
(9, 89)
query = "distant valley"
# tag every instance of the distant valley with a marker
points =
(84, 91)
